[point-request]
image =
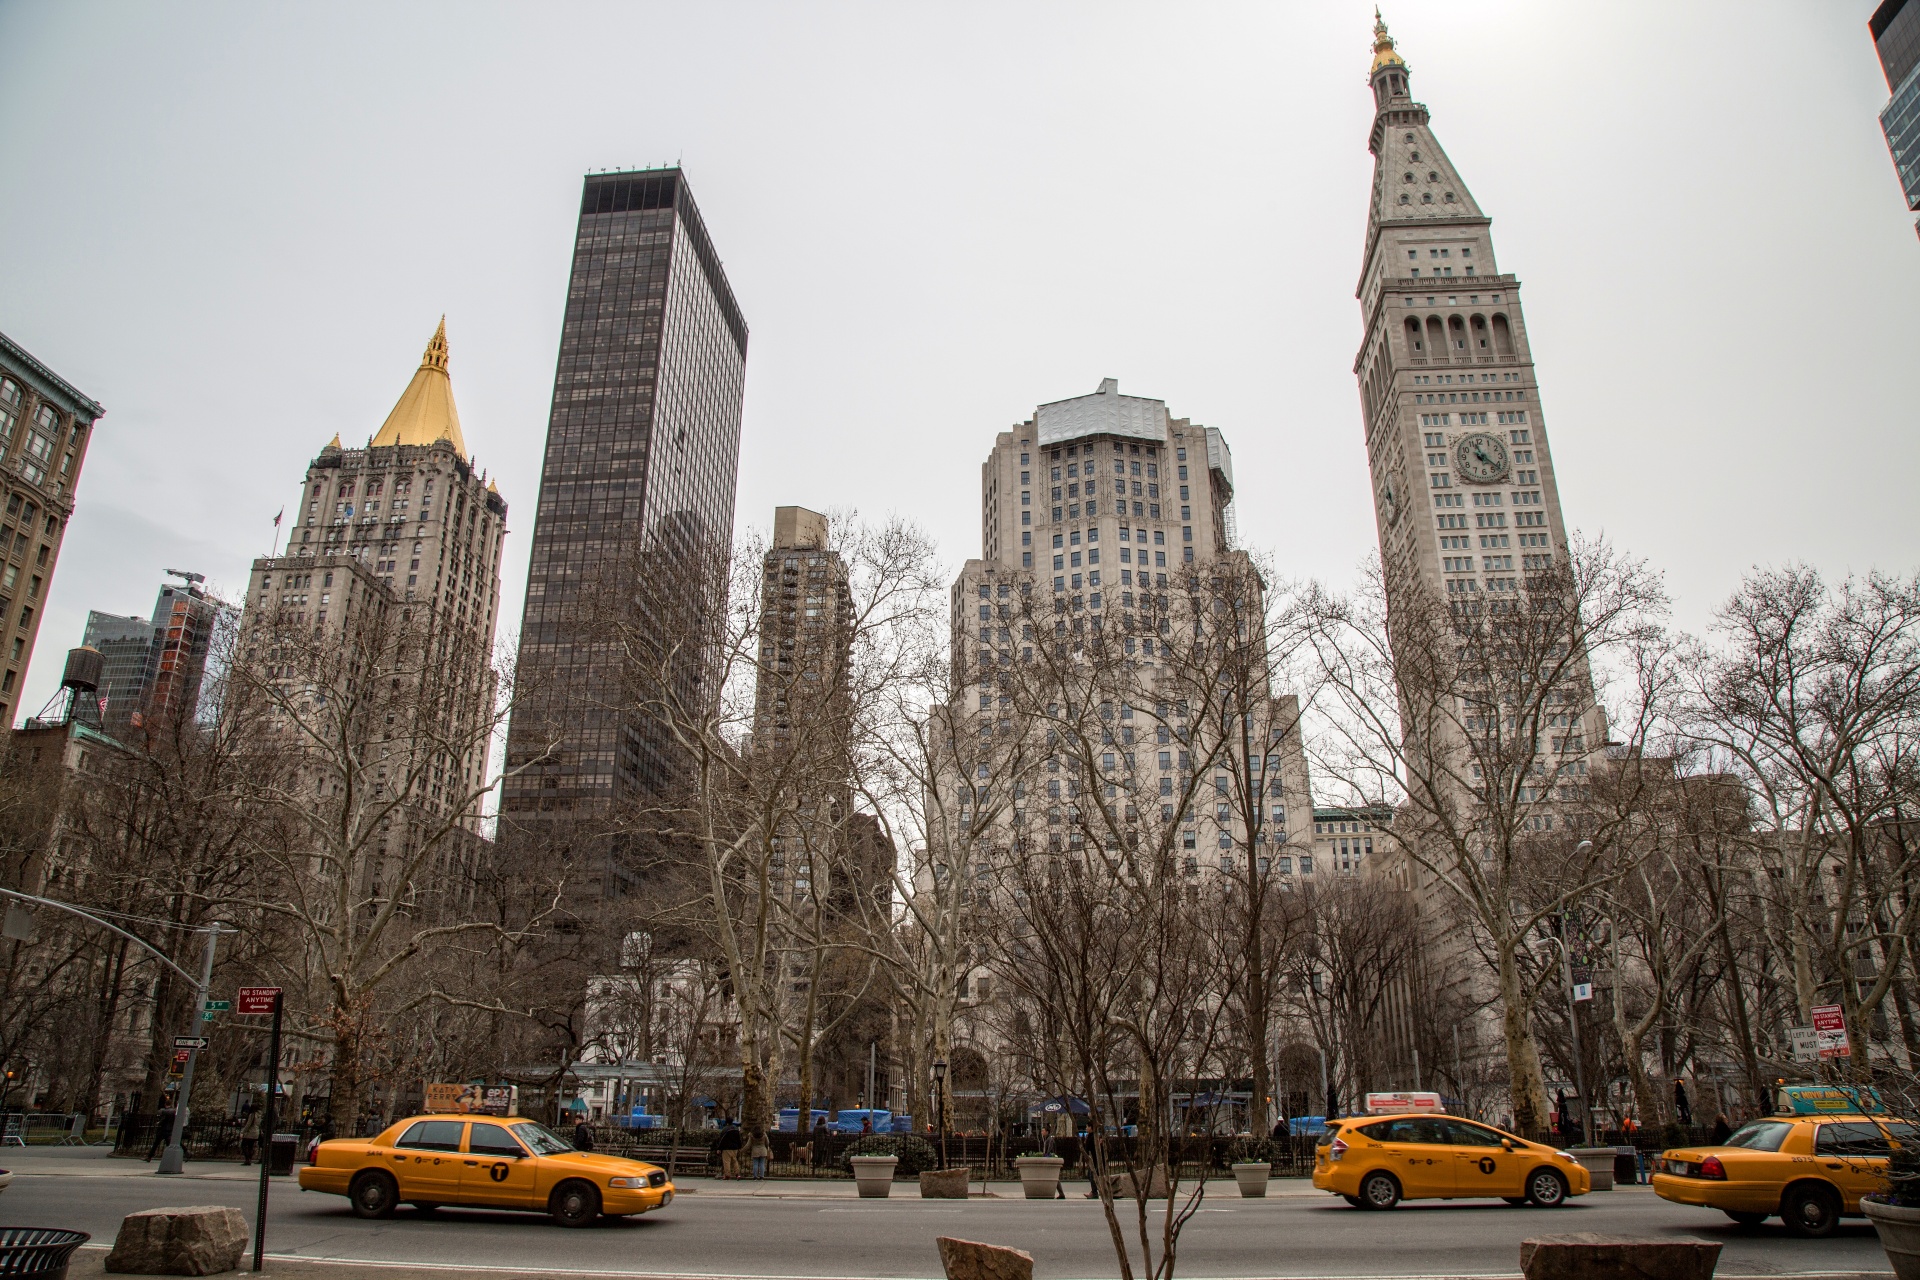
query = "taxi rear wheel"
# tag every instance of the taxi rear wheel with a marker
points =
(1810, 1209)
(1379, 1190)
(373, 1195)
(1546, 1189)
(1355, 1201)
(574, 1204)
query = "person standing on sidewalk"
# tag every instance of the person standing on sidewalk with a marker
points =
(760, 1152)
(729, 1148)
(583, 1135)
(249, 1135)
(162, 1132)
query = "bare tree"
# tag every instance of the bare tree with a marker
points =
(1815, 701)
(384, 719)
(1483, 719)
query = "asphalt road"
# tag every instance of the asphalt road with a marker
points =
(715, 1235)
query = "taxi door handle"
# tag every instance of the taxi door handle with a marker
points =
(1832, 1165)
(472, 1164)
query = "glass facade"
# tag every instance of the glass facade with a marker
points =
(643, 447)
(1896, 38)
(1901, 121)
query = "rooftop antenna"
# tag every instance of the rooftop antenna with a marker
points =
(184, 575)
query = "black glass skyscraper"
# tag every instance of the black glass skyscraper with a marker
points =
(643, 449)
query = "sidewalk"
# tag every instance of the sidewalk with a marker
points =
(99, 1162)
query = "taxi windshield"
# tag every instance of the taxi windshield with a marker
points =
(1761, 1135)
(540, 1139)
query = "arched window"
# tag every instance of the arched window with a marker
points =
(1449, 197)
(1405, 198)
(1426, 197)
(1409, 176)
(1414, 346)
(1436, 339)
(1457, 337)
(1479, 326)
(1502, 337)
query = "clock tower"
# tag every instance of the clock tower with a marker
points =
(1463, 477)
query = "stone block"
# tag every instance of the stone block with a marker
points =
(944, 1184)
(971, 1260)
(1125, 1185)
(1589, 1255)
(195, 1240)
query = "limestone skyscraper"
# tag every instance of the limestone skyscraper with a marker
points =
(1463, 477)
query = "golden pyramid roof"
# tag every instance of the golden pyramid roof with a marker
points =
(425, 411)
(1384, 54)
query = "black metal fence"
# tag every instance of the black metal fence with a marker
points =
(696, 1152)
(206, 1138)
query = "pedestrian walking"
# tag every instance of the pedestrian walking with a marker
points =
(760, 1152)
(819, 1140)
(583, 1135)
(1681, 1106)
(1721, 1132)
(162, 1131)
(866, 1123)
(730, 1144)
(249, 1135)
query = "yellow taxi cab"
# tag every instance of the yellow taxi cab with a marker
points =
(486, 1162)
(1810, 1164)
(1375, 1161)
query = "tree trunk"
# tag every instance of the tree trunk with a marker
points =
(1527, 1085)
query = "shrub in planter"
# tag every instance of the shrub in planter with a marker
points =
(1253, 1151)
(1903, 1177)
(916, 1155)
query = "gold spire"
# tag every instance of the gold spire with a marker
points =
(425, 411)
(1383, 52)
(335, 442)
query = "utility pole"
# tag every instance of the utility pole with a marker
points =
(174, 1158)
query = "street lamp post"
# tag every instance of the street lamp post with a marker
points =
(940, 1104)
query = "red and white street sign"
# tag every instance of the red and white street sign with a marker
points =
(255, 1000)
(1830, 1032)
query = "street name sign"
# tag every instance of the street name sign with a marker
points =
(253, 1001)
(219, 1006)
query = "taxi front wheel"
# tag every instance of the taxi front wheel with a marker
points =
(574, 1204)
(1810, 1209)
(1379, 1190)
(373, 1195)
(1547, 1189)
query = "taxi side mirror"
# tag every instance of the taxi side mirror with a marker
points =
(1507, 1143)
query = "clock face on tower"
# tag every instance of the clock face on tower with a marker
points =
(1480, 457)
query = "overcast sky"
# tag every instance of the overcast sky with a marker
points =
(237, 225)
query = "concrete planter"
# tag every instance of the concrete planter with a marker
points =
(1598, 1162)
(1899, 1229)
(945, 1184)
(874, 1175)
(1040, 1175)
(1252, 1178)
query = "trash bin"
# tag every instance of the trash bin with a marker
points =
(38, 1251)
(1626, 1166)
(280, 1153)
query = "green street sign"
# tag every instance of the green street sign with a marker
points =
(219, 1006)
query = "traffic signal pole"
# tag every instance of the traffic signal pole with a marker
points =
(174, 1158)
